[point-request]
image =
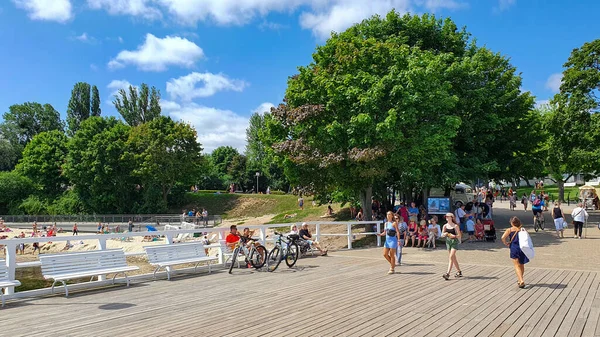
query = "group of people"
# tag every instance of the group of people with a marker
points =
(195, 216)
(452, 234)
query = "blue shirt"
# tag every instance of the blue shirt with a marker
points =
(413, 210)
(538, 207)
(470, 226)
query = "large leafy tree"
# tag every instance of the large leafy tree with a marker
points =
(138, 106)
(165, 153)
(97, 167)
(21, 123)
(42, 162)
(572, 120)
(221, 159)
(400, 99)
(84, 103)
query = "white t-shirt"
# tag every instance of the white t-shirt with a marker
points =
(437, 227)
(460, 213)
(579, 214)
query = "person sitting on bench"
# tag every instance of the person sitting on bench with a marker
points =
(305, 235)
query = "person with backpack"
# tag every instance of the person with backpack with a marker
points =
(392, 237)
(536, 208)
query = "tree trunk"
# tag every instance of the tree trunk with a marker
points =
(365, 202)
(561, 190)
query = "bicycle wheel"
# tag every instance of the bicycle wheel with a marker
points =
(291, 255)
(542, 223)
(274, 259)
(258, 257)
(234, 258)
(536, 224)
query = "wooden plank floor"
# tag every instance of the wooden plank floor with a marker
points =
(332, 296)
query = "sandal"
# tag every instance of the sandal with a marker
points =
(391, 271)
(459, 274)
(446, 276)
(521, 285)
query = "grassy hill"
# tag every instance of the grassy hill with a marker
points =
(256, 205)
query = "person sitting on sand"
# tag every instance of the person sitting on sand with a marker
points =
(305, 235)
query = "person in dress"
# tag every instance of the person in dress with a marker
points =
(510, 238)
(451, 231)
(392, 236)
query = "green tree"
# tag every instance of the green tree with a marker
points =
(572, 119)
(97, 167)
(43, 158)
(237, 171)
(21, 123)
(255, 149)
(140, 106)
(221, 159)
(95, 108)
(165, 153)
(84, 102)
(13, 189)
(8, 155)
(405, 100)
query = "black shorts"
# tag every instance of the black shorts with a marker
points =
(536, 211)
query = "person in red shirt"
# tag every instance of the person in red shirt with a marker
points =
(233, 237)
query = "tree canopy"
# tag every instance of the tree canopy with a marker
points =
(138, 106)
(84, 102)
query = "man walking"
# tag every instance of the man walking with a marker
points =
(580, 216)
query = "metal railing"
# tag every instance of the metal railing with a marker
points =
(11, 245)
(115, 219)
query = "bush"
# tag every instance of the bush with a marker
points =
(68, 203)
(33, 205)
(211, 191)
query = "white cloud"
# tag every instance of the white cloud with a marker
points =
(343, 14)
(83, 37)
(47, 10)
(263, 108)
(184, 87)
(115, 86)
(505, 4)
(120, 39)
(554, 81)
(137, 8)
(156, 54)
(215, 127)
(320, 16)
(541, 103)
(271, 25)
(94, 67)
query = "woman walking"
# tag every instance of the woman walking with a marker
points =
(524, 201)
(451, 231)
(510, 238)
(559, 220)
(392, 236)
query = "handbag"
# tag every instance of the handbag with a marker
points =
(390, 232)
(526, 244)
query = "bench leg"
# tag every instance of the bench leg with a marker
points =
(155, 270)
(126, 279)
(114, 277)
(2, 295)
(196, 266)
(168, 269)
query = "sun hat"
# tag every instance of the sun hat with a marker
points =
(449, 214)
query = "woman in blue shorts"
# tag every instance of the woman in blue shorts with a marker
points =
(392, 236)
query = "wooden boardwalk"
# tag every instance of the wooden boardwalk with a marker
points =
(332, 296)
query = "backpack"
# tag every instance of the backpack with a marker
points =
(537, 202)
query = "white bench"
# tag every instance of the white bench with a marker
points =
(4, 281)
(68, 266)
(165, 256)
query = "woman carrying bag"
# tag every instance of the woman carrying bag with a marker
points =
(559, 220)
(511, 239)
(392, 237)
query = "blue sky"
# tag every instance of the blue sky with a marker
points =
(217, 61)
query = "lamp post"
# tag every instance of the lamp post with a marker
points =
(257, 175)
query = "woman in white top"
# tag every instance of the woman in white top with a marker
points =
(579, 215)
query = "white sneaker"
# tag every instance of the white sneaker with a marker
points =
(575, 237)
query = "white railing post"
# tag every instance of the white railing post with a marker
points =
(378, 230)
(11, 264)
(169, 238)
(263, 235)
(221, 250)
(349, 236)
(318, 232)
(101, 246)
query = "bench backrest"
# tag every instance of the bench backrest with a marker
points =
(172, 252)
(80, 262)
(3, 270)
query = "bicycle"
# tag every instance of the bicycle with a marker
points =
(539, 222)
(283, 247)
(256, 255)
